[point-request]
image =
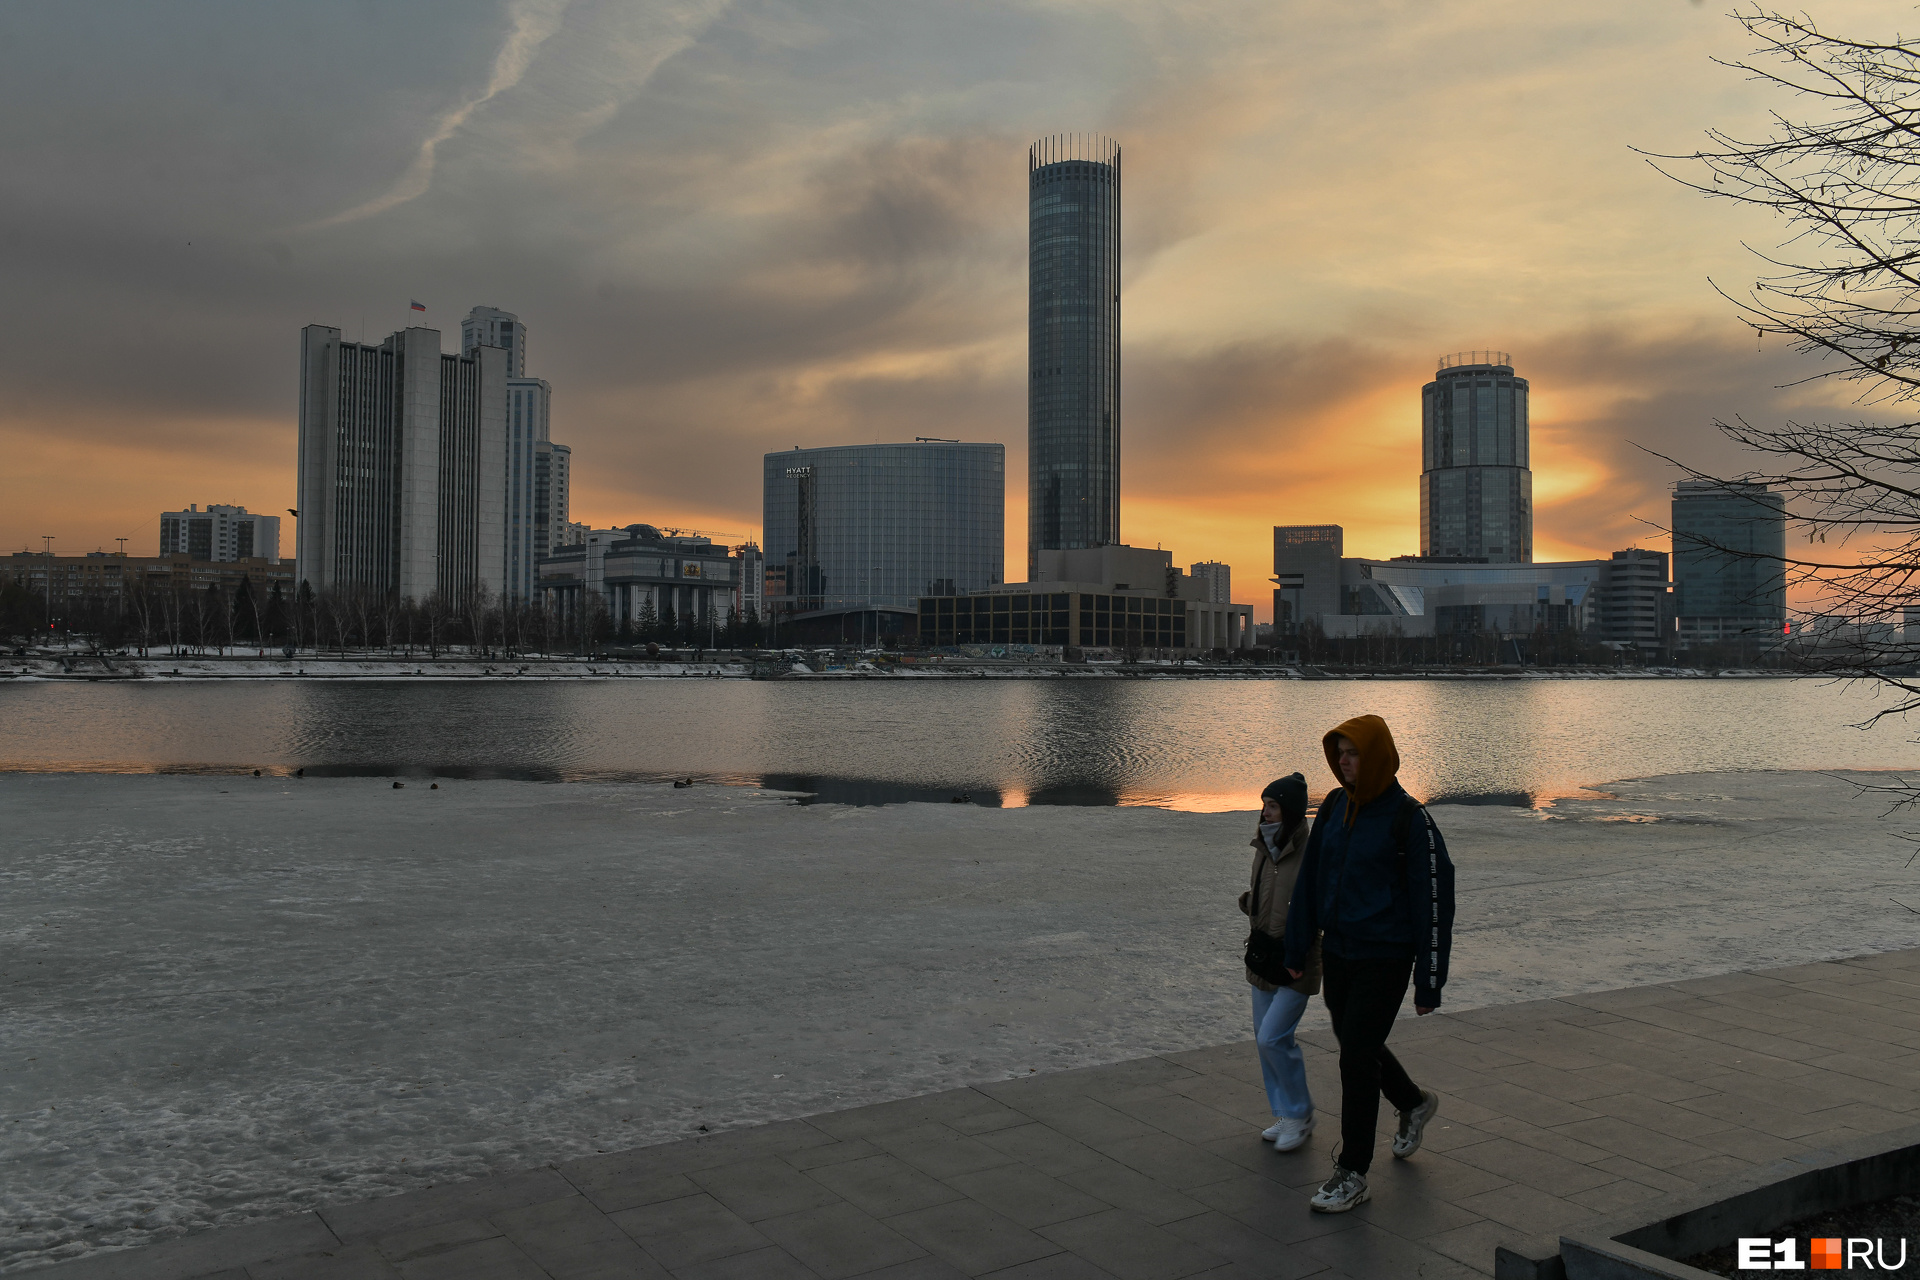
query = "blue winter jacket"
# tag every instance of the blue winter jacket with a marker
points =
(1367, 899)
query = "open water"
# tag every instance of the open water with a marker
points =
(1184, 744)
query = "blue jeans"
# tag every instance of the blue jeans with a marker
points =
(1275, 1015)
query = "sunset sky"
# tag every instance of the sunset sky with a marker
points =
(736, 227)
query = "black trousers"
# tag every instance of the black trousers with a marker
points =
(1362, 998)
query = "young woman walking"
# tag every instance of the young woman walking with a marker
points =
(1278, 996)
(1376, 887)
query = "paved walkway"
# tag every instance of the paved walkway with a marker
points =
(1554, 1112)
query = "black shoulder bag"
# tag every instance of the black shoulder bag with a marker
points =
(1265, 953)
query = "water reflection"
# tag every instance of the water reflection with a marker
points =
(1178, 744)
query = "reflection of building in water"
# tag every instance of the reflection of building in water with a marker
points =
(1112, 597)
(1618, 598)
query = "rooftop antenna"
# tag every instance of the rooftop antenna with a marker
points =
(123, 546)
(47, 539)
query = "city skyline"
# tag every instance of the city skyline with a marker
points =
(833, 254)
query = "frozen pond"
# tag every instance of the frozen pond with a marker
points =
(231, 998)
(1190, 744)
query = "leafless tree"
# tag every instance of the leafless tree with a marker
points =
(1841, 170)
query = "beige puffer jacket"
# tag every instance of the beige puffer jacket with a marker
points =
(1273, 881)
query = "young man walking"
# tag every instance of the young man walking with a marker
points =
(1376, 887)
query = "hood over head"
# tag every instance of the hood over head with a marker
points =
(1379, 759)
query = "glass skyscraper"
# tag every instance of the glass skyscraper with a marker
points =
(857, 526)
(1729, 560)
(1073, 344)
(1476, 488)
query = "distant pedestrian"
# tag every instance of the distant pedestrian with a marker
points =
(1279, 997)
(1376, 887)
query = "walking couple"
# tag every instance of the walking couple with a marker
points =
(1354, 905)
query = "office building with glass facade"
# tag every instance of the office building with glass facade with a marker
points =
(1476, 485)
(1073, 344)
(1729, 561)
(854, 528)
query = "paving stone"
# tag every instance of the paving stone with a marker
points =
(1434, 1175)
(971, 1236)
(1614, 1197)
(1651, 1113)
(1129, 1189)
(1750, 1144)
(437, 1237)
(1528, 1209)
(1552, 1174)
(1059, 1266)
(1130, 1249)
(1029, 1197)
(351, 1262)
(1167, 1159)
(1043, 1147)
(763, 1189)
(1278, 1212)
(1084, 1119)
(760, 1264)
(495, 1259)
(1410, 1207)
(1899, 1071)
(680, 1233)
(1624, 1138)
(1642, 1081)
(1559, 1142)
(1182, 1117)
(1659, 1179)
(923, 1268)
(572, 1240)
(1525, 1104)
(939, 1152)
(1553, 1082)
(840, 1241)
(1713, 1169)
(1248, 1152)
(1243, 1101)
(373, 1219)
(832, 1153)
(1473, 1245)
(1254, 1250)
(611, 1193)
(1367, 1250)
(884, 1185)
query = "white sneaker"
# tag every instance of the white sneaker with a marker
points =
(1273, 1131)
(1343, 1191)
(1289, 1134)
(1414, 1123)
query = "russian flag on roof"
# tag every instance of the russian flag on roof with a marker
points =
(419, 306)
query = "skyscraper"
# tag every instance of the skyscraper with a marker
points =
(1729, 560)
(402, 465)
(1073, 344)
(1476, 490)
(527, 506)
(492, 327)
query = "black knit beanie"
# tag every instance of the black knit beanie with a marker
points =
(1291, 792)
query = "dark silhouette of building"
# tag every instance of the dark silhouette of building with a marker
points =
(1476, 487)
(1073, 344)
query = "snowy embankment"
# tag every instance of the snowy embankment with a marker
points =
(233, 998)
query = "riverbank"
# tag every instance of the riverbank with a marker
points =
(823, 666)
(235, 998)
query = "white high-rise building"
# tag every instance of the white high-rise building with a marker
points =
(219, 533)
(402, 465)
(1216, 581)
(536, 468)
(492, 327)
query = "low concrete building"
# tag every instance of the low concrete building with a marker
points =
(1114, 598)
(639, 573)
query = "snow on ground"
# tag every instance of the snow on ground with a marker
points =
(233, 998)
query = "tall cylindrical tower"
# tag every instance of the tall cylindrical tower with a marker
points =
(1476, 488)
(1073, 344)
